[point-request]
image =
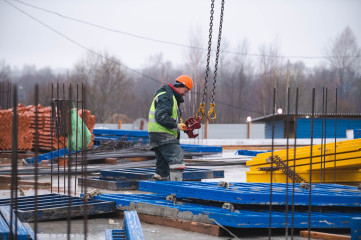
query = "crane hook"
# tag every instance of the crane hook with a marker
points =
(212, 111)
(200, 110)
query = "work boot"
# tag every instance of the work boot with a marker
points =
(157, 177)
(180, 166)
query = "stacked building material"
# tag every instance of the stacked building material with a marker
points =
(243, 205)
(329, 162)
(25, 132)
(27, 126)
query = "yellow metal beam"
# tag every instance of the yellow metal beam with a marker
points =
(304, 163)
(342, 176)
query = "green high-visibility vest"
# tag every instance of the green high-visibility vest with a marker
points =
(153, 126)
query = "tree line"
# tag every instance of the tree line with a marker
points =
(244, 84)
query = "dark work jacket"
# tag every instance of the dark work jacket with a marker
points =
(163, 113)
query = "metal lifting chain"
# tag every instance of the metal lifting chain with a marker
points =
(212, 112)
(202, 104)
(212, 104)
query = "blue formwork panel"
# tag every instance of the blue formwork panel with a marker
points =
(248, 152)
(97, 182)
(106, 135)
(259, 193)
(55, 206)
(132, 226)
(201, 148)
(21, 230)
(4, 229)
(155, 204)
(50, 155)
(356, 133)
(132, 229)
(115, 234)
(190, 174)
(119, 132)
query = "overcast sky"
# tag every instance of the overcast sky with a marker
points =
(301, 28)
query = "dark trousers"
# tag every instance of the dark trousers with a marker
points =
(167, 154)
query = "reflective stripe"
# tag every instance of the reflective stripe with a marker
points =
(153, 126)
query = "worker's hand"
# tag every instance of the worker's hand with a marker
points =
(182, 126)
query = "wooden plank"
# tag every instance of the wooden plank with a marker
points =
(326, 236)
(111, 160)
(7, 178)
(204, 228)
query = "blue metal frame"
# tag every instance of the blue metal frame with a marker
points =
(201, 148)
(54, 206)
(132, 229)
(104, 135)
(119, 132)
(23, 232)
(248, 152)
(238, 218)
(132, 226)
(190, 174)
(49, 155)
(115, 234)
(259, 193)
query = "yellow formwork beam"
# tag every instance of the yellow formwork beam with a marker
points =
(342, 176)
(314, 147)
(304, 152)
(300, 156)
(353, 163)
(302, 163)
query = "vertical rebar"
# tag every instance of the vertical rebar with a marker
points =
(294, 164)
(58, 135)
(271, 178)
(310, 180)
(287, 149)
(322, 157)
(51, 139)
(69, 161)
(76, 139)
(64, 144)
(84, 161)
(324, 149)
(334, 167)
(14, 168)
(36, 149)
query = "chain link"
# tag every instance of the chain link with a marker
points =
(217, 53)
(202, 103)
(209, 51)
(211, 113)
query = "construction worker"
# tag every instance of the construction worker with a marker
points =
(164, 127)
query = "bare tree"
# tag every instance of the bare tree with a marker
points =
(4, 72)
(109, 88)
(195, 66)
(272, 75)
(156, 73)
(345, 57)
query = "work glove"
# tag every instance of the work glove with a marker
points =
(181, 126)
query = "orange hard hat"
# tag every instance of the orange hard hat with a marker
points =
(186, 80)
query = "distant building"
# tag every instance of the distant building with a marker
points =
(330, 124)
